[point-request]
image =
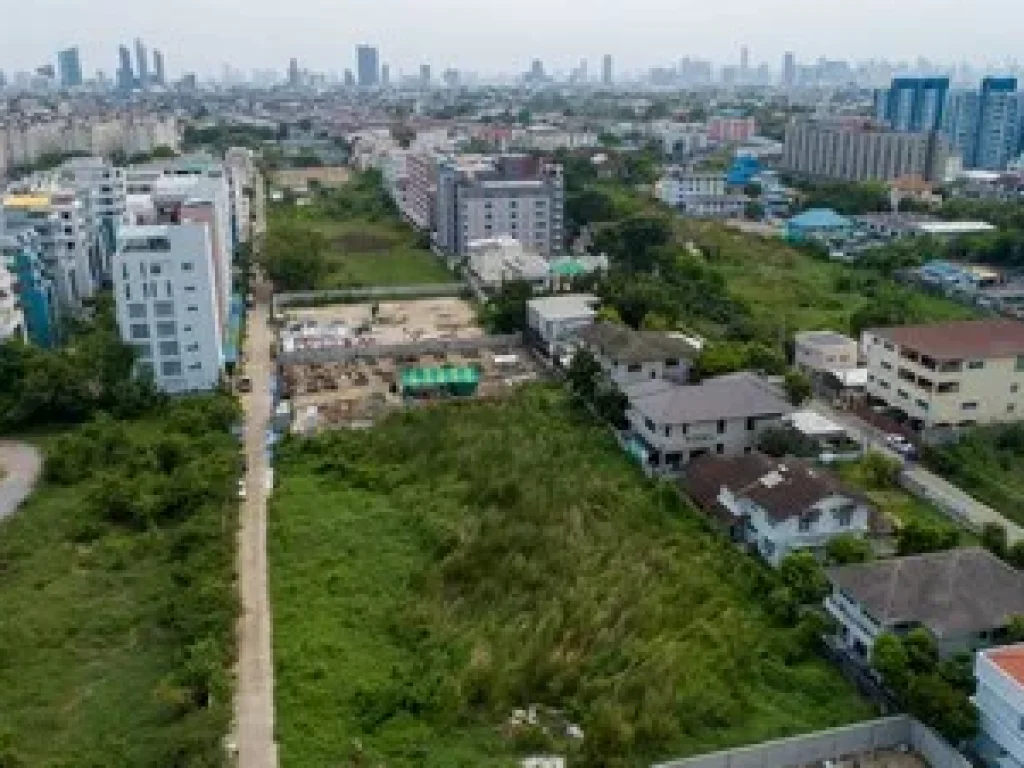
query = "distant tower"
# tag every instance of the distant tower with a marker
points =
(385, 75)
(744, 58)
(606, 70)
(158, 68)
(789, 69)
(424, 74)
(293, 73)
(143, 63)
(367, 66)
(125, 76)
(69, 67)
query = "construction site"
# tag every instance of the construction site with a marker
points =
(349, 365)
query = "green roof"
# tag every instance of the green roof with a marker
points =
(569, 267)
(425, 378)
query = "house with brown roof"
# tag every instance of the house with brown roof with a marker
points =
(778, 506)
(1000, 701)
(628, 356)
(955, 374)
(964, 598)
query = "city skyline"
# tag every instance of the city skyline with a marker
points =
(324, 37)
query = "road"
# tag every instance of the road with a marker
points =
(21, 464)
(254, 699)
(919, 481)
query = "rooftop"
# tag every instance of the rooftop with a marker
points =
(626, 345)
(1010, 661)
(950, 593)
(959, 339)
(953, 227)
(565, 306)
(823, 338)
(819, 218)
(736, 396)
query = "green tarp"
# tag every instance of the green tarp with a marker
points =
(460, 380)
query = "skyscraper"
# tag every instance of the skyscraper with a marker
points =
(385, 75)
(913, 103)
(744, 58)
(424, 74)
(367, 66)
(606, 70)
(143, 63)
(125, 76)
(293, 73)
(69, 67)
(999, 123)
(789, 69)
(158, 68)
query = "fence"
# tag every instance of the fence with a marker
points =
(342, 295)
(341, 354)
(834, 744)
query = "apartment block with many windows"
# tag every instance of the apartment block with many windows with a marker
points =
(949, 374)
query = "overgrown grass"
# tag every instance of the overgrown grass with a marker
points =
(117, 632)
(457, 562)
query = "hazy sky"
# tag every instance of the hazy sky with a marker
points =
(489, 36)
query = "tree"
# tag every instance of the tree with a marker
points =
(922, 652)
(798, 387)
(847, 548)
(608, 314)
(1015, 556)
(880, 471)
(294, 256)
(1015, 630)
(583, 375)
(786, 441)
(804, 576)
(993, 538)
(916, 538)
(890, 659)
(505, 311)
(753, 210)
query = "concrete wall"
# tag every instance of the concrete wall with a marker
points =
(851, 740)
(340, 354)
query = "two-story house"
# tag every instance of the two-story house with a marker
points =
(1000, 702)
(628, 357)
(949, 374)
(671, 424)
(964, 598)
(777, 506)
(553, 321)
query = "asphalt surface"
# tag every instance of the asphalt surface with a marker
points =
(21, 464)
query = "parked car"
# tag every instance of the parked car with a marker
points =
(901, 445)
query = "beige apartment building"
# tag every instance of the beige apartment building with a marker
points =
(860, 150)
(949, 374)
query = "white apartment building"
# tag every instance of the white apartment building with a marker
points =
(238, 162)
(164, 288)
(681, 140)
(499, 260)
(1000, 701)
(949, 374)
(101, 188)
(823, 351)
(700, 194)
(12, 320)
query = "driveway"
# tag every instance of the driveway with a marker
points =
(21, 464)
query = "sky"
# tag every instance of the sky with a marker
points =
(493, 37)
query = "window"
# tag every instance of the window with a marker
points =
(169, 348)
(190, 289)
(721, 426)
(195, 366)
(127, 292)
(139, 331)
(194, 347)
(968, 406)
(145, 370)
(165, 329)
(887, 366)
(192, 308)
(719, 449)
(163, 309)
(902, 393)
(1020, 362)
(170, 368)
(975, 365)
(948, 387)
(671, 363)
(124, 271)
(154, 269)
(187, 328)
(751, 425)
(136, 311)
(634, 367)
(1014, 389)
(844, 515)
(187, 266)
(921, 404)
(167, 288)
(805, 524)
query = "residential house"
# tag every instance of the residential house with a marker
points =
(818, 352)
(963, 597)
(821, 224)
(1000, 701)
(778, 506)
(672, 424)
(951, 374)
(629, 357)
(554, 320)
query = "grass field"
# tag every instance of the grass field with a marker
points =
(98, 619)
(457, 562)
(377, 253)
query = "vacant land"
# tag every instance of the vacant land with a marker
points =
(377, 253)
(457, 562)
(117, 598)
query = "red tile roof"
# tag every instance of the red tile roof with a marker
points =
(1011, 661)
(959, 339)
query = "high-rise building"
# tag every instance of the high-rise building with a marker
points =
(913, 103)
(69, 66)
(125, 75)
(424, 75)
(350, 79)
(143, 63)
(789, 69)
(862, 151)
(385, 75)
(744, 59)
(21, 253)
(158, 68)
(293, 73)
(999, 123)
(367, 66)
(606, 70)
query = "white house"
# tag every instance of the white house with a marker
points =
(823, 351)
(629, 357)
(555, 320)
(1000, 702)
(699, 193)
(672, 424)
(777, 506)
(497, 260)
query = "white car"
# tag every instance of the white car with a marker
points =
(900, 444)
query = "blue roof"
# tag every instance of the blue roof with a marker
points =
(819, 218)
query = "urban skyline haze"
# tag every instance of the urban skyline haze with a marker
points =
(203, 35)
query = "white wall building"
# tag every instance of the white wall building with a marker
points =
(499, 260)
(822, 351)
(1000, 702)
(165, 291)
(554, 320)
(238, 162)
(699, 193)
(12, 320)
